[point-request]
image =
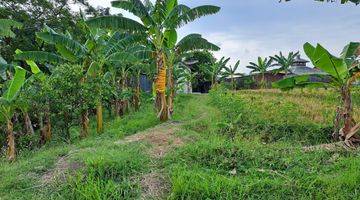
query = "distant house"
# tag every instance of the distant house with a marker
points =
(299, 67)
(145, 83)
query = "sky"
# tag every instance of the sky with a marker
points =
(246, 29)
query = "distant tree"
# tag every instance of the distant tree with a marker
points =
(215, 70)
(231, 72)
(200, 60)
(285, 62)
(261, 67)
(177, 52)
(33, 14)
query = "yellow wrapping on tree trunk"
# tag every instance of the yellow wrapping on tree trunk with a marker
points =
(161, 81)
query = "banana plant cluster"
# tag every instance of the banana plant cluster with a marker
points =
(101, 51)
(342, 73)
(112, 49)
(159, 22)
(14, 78)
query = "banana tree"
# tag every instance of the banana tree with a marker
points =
(8, 106)
(261, 67)
(184, 76)
(136, 71)
(214, 71)
(285, 62)
(7, 109)
(232, 72)
(342, 73)
(177, 51)
(159, 21)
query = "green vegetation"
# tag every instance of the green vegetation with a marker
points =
(263, 160)
(78, 125)
(261, 67)
(341, 74)
(224, 156)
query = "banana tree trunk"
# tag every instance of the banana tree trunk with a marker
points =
(263, 84)
(137, 93)
(45, 127)
(84, 132)
(11, 151)
(28, 125)
(99, 117)
(232, 82)
(213, 81)
(347, 111)
(123, 103)
(161, 87)
(171, 96)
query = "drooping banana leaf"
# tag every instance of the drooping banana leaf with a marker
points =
(61, 40)
(116, 23)
(122, 57)
(122, 43)
(174, 15)
(195, 42)
(141, 52)
(66, 54)
(136, 7)
(193, 14)
(322, 59)
(39, 56)
(301, 82)
(16, 84)
(33, 66)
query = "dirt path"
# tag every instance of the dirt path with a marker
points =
(162, 139)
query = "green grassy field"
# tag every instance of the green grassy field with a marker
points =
(243, 145)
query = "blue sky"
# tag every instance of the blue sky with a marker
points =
(246, 29)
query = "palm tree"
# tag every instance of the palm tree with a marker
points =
(261, 67)
(285, 62)
(232, 72)
(159, 22)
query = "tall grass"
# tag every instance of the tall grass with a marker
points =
(263, 158)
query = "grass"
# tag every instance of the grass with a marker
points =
(263, 158)
(108, 168)
(243, 145)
